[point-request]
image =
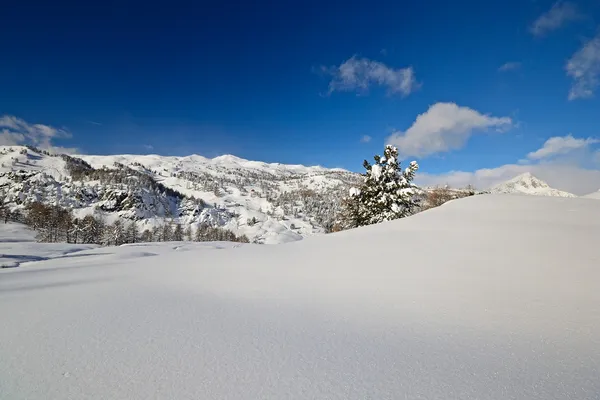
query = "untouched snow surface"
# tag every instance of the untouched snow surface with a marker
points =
(488, 297)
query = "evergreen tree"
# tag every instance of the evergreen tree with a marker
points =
(178, 233)
(166, 233)
(132, 233)
(146, 236)
(385, 194)
(156, 234)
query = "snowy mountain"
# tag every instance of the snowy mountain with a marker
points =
(269, 203)
(594, 195)
(528, 184)
(453, 303)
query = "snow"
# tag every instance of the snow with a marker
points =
(245, 189)
(487, 297)
(526, 183)
(376, 171)
(18, 247)
(595, 195)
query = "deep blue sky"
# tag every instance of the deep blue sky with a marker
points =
(242, 77)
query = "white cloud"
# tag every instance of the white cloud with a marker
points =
(358, 74)
(559, 145)
(561, 13)
(444, 127)
(563, 174)
(15, 131)
(365, 139)
(510, 66)
(584, 69)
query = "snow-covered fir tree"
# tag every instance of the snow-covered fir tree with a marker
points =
(386, 193)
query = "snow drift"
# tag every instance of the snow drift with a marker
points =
(488, 297)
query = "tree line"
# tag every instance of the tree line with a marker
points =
(55, 224)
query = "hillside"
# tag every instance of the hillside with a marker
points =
(489, 297)
(270, 203)
(526, 183)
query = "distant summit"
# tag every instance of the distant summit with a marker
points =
(594, 195)
(526, 183)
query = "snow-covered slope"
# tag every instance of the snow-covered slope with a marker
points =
(528, 184)
(428, 307)
(594, 195)
(270, 203)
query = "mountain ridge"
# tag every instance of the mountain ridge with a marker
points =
(268, 202)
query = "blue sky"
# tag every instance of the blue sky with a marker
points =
(315, 82)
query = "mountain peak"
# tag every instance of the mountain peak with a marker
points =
(527, 183)
(529, 180)
(594, 195)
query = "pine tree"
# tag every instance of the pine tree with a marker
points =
(146, 236)
(166, 233)
(132, 233)
(178, 233)
(385, 194)
(156, 234)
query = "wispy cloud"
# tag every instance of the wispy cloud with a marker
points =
(148, 147)
(444, 127)
(359, 74)
(365, 139)
(584, 69)
(561, 13)
(510, 66)
(560, 145)
(15, 131)
(93, 122)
